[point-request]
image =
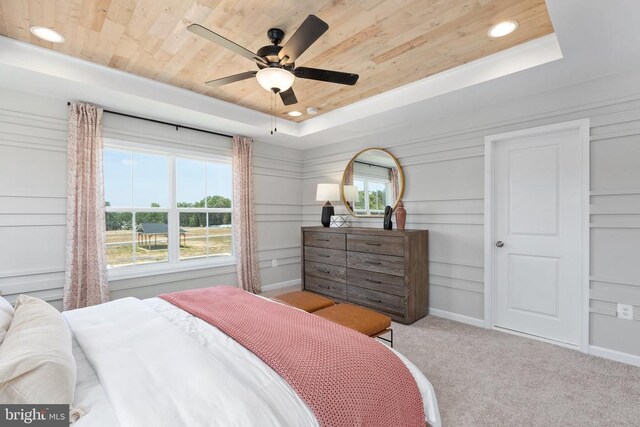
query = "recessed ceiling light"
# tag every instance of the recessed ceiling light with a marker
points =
(47, 34)
(294, 113)
(312, 110)
(502, 29)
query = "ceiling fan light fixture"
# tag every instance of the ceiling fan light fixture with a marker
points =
(502, 29)
(275, 79)
(47, 34)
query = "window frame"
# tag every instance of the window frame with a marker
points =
(173, 263)
(367, 209)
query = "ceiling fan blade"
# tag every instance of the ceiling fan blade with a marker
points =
(326, 75)
(228, 44)
(310, 31)
(231, 79)
(288, 97)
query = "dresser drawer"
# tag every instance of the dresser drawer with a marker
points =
(326, 287)
(326, 271)
(327, 256)
(379, 263)
(325, 240)
(377, 300)
(387, 245)
(376, 281)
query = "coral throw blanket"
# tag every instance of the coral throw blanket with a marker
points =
(345, 377)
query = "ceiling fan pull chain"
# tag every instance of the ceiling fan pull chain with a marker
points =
(270, 116)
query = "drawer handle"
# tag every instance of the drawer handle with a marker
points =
(373, 244)
(373, 262)
(374, 300)
(322, 270)
(324, 256)
(323, 240)
(373, 281)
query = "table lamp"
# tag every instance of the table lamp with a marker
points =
(350, 196)
(350, 193)
(327, 192)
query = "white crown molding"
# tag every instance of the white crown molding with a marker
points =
(522, 57)
(37, 70)
(32, 69)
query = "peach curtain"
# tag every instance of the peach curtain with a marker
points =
(348, 174)
(393, 177)
(244, 222)
(85, 264)
(348, 179)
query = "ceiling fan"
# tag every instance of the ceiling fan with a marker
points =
(276, 63)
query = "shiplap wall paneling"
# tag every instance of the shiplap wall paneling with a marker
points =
(615, 230)
(443, 161)
(33, 133)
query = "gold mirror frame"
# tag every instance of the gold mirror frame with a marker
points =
(400, 177)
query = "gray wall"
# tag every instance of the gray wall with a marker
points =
(443, 161)
(33, 132)
(444, 166)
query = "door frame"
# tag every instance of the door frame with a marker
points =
(582, 126)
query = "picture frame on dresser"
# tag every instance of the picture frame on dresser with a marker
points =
(385, 270)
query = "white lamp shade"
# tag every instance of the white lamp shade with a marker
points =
(328, 192)
(351, 193)
(275, 78)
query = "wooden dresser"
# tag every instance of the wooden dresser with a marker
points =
(386, 270)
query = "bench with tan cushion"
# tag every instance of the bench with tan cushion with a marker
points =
(361, 319)
(307, 301)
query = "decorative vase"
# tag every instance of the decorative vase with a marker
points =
(401, 215)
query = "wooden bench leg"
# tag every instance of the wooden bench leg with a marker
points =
(389, 340)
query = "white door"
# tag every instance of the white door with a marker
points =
(537, 234)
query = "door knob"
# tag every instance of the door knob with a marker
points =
(499, 243)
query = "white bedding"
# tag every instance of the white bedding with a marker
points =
(151, 363)
(90, 395)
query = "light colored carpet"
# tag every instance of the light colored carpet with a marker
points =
(490, 378)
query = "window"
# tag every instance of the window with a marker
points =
(166, 209)
(372, 195)
(204, 208)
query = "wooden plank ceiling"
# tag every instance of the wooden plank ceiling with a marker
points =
(389, 43)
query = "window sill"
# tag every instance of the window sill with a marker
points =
(123, 273)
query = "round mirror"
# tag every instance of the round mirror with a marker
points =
(372, 180)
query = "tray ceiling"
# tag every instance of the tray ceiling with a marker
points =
(389, 43)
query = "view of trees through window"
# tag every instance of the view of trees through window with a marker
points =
(377, 196)
(139, 204)
(205, 219)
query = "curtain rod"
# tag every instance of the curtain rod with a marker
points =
(177, 126)
(370, 164)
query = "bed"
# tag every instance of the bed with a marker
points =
(148, 362)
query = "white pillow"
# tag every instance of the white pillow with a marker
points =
(6, 316)
(36, 360)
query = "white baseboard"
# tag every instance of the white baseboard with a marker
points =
(618, 356)
(457, 317)
(279, 285)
